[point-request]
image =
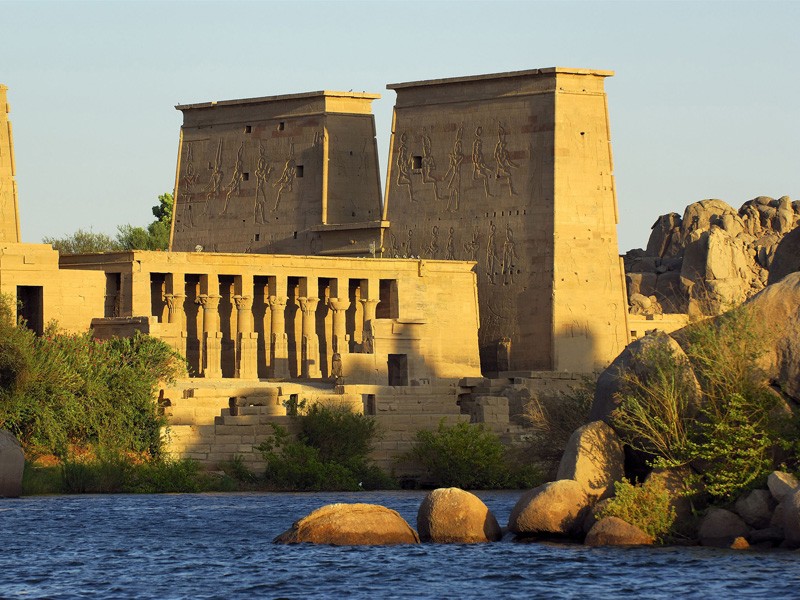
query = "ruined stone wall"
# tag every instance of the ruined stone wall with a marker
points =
(514, 171)
(9, 213)
(293, 174)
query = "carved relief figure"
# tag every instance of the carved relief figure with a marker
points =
(491, 254)
(410, 244)
(404, 165)
(504, 354)
(428, 164)
(263, 171)
(503, 158)
(509, 257)
(235, 184)
(454, 173)
(479, 168)
(394, 248)
(473, 245)
(433, 247)
(451, 251)
(214, 183)
(286, 180)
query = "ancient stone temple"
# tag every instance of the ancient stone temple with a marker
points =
(293, 174)
(9, 214)
(514, 171)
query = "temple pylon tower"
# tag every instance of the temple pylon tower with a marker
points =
(9, 212)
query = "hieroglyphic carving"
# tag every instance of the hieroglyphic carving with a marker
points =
(451, 245)
(503, 158)
(479, 168)
(454, 172)
(472, 246)
(433, 246)
(428, 164)
(404, 165)
(215, 181)
(409, 245)
(394, 247)
(491, 255)
(263, 171)
(235, 185)
(509, 257)
(286, 180)
(190, 176)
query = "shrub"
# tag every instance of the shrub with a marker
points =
(733, 432)
(647, 506)
(330, 453)
(62, 390)
(469, 457)
(552, 418)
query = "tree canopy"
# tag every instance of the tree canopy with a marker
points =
(154, 237)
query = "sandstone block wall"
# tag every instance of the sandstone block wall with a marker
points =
(514, 171)
(9, 212)
(293, 174)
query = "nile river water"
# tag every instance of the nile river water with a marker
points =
(219, 546)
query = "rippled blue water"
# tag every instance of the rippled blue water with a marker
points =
(219, 546)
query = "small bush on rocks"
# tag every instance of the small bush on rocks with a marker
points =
(469, 457)
(330, 453)
(647, 506)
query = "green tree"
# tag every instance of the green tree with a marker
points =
(154, 237)
(83, 241)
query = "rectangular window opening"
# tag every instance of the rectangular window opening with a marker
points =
(299, 170)
(416, 162)
(281, 125)
(248, 129)
(246, 176)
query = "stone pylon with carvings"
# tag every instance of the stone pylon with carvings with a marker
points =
(9, 213)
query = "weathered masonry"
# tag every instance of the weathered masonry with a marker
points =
(292, 174)
(514, 171)
(9, 213)
(392, 322)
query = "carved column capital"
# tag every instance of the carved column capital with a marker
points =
(208, 301)
(308, 305)
(339, 304)
(243, 302)
(276, 302)
(174, 301)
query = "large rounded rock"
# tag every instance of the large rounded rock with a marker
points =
(636, 360)
(12, 465)
(778, 307)
(680, 483)
(755, 507)
(451, 515)
(781, 484)
(720, 527)
(350, 525)
(555, 508)
(594, 458)
(791, 518)
(787, 257)
(613, 531)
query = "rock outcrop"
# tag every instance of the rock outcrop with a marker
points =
(720, 527)
(594, 458)
(350, 525)
(712, 258)
(613, 531)
(12, 465)
(451, 515)
(555, 508)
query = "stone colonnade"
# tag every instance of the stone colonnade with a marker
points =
(249, 326)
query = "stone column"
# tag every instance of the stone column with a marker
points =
(279, 341)
(310, 350)
(175, 317)
(212, 367)
(367, 344)
(339, 307)
(247, 354)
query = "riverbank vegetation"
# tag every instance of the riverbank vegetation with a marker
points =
(711, 408)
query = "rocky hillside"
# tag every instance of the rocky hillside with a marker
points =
(712, 258)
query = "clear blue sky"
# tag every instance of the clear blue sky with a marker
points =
(705, 102)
